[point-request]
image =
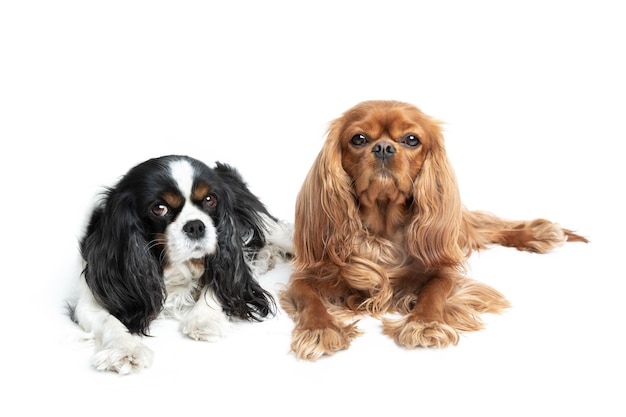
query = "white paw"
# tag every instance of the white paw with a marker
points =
(264, 260)
(206, 324)
(123, 355)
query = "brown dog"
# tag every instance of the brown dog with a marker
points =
(380, 228)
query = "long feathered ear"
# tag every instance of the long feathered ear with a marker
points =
(326, 212)
(248, 209)
(433, 234)
(240, 231)
(120, 270)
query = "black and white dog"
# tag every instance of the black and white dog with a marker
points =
(174, 237)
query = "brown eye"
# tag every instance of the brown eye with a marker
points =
(209, 201)
(359, 139)
(160, 210)
(410, 140)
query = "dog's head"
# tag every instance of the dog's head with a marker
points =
(383, 147)
(383, 170)
(175, 202)
(166, 212)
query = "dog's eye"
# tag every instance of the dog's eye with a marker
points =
(160, 210)
(209, 201)
(410, 140)
(359, 139)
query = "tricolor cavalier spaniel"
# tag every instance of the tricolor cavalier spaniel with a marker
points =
(178, 237)
(380, 230)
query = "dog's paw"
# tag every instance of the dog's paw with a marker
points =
(264, 260)
(544, 236)
(412, 333)
(311, 344)
(123, 355)
(205, 325)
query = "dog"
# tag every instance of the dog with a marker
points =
(380, 230)
(174, 238)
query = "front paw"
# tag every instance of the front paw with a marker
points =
(311, 344)
(123, 355)
(206, 327)
(412, 333)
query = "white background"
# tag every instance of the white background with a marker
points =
(532, 94)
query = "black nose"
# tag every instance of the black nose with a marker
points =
(383, 150)
(194, 229)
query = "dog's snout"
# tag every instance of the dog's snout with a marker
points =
(384, 150)
(194, 229)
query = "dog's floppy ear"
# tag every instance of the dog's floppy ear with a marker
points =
(326, 213)
(247, 207)
(240, 231)
(433, 234)
(120, 270)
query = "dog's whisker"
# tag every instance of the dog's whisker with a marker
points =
(153, 243)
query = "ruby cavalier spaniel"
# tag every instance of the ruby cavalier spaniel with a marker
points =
(380, 230)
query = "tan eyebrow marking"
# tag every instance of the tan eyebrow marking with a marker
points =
(200, 191)
(172, 199)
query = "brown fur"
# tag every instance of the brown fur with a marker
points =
(389, 235)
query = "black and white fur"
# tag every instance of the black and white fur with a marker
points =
(178, 238)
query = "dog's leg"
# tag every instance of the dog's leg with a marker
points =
(539, 235)
(425, 324)
(280, 235)
(206, 320)
(445, 305)
(316, 332)
(278, 246)
(116, 349)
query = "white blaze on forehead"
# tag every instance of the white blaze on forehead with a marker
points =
(180, 246)
(183, 174)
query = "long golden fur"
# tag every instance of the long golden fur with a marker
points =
(380, 230)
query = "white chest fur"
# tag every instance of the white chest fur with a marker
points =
(182, 283)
